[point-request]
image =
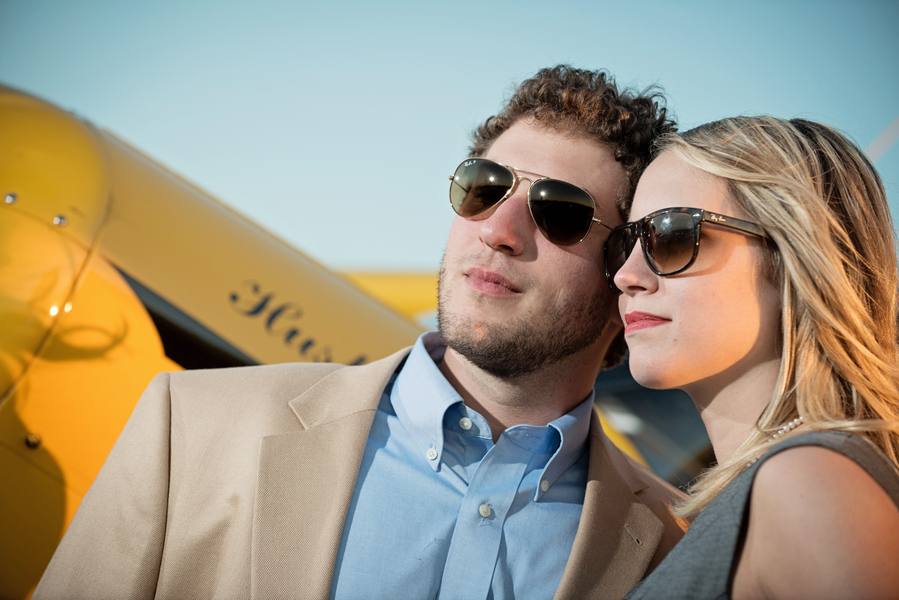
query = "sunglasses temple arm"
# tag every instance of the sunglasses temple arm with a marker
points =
(595, 220)
(734, 223)
(747, 227)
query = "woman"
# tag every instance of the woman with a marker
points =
(782, 327)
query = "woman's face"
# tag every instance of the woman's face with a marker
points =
(711, 325)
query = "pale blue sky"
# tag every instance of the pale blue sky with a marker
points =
(336, 125)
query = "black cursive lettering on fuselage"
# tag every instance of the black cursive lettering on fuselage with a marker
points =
(280, 319)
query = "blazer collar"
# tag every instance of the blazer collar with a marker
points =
(358, 389)
(618, 534)
(306, 482)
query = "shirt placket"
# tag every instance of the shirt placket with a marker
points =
(478, 534)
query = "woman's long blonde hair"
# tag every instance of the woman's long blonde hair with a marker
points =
(832, 253)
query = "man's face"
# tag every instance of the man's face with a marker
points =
(510, 301)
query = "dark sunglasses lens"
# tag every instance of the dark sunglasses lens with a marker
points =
(670, 240)
(478, 184)
(563, 212)
(619, 246)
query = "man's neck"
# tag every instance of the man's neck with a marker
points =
(533, 399)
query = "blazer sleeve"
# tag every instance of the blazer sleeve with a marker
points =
(113, 547)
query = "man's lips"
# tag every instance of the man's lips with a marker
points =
(490, 282)
(635, 321)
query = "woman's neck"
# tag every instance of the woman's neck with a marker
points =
(731, 406)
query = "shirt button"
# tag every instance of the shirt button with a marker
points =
(544, 485)
(465, 423)
(432, 454)
(484, 509)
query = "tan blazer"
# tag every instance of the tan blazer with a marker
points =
(235, 483)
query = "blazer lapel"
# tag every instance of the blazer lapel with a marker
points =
(618, 534)
(306, 482)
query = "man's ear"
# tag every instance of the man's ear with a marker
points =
(614, 333)
(614, 314)
(617, 349)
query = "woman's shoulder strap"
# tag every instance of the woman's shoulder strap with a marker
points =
(858, 448)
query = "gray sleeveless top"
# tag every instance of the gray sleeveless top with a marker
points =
(700, 566)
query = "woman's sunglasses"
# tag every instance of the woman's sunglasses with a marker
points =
(669, 237)
(563, 212)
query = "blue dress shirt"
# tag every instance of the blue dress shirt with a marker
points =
(439, 510)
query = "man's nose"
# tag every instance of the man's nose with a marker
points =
(510, 226)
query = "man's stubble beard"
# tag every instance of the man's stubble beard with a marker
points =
(523, 345)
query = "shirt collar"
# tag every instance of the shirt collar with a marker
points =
(573, 428)
(421, 396)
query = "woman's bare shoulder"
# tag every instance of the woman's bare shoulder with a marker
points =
(819, 526)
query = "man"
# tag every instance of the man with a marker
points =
(472, 466)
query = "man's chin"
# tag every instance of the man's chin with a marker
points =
(515, 347)
(500, 359)
(514, 343)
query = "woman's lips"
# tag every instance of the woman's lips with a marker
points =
(635, 321)
(490, 283)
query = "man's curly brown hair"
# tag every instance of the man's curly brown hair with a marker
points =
(588, 103)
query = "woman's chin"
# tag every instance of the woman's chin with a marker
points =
(651, 376)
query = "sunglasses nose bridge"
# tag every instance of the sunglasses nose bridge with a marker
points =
(517, 183)
(643, 239)
(513, 189)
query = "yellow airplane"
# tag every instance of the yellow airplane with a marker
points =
(112, 269)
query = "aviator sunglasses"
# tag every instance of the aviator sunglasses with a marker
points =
(562, 212)
(669, 237)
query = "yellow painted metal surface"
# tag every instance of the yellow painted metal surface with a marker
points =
(59, 422)
(412, 294)
(52, 163)
(264, 297)
(38, 268)
(53, 195)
